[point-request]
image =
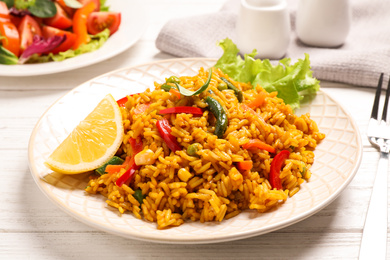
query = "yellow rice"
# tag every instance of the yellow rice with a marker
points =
(213, 188)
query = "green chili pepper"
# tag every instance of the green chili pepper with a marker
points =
(220, 114)
(139, 196)
(166, 87)
(189, 93)
(114, 161)
(173, 79)
(237, 92)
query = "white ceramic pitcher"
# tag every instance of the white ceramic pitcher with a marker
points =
(264, 25)
(323, 23)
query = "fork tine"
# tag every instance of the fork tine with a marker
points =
(374, 112)
(384, 113)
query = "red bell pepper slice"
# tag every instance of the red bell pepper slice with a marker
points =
(122, 102)
(165, 130)
(128, 175)
(183, 109)
(276, 166)
(136, 145)
(256, 143)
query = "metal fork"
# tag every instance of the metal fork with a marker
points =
(374, 240)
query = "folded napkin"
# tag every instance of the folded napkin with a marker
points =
(359, 61)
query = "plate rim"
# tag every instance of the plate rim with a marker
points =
(47, 68)
(203, 240)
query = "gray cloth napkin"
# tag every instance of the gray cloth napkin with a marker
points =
(359, 61)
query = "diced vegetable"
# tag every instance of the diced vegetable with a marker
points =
(165, 130)
(258, 144)
(182, 109)
(145, 157)
(258, 101)
(111, 168)
(276, 166)
(193, 149)
(122, 102)
(245, 165)
(115, 160)
(222, 86)
(184, 175)
(139, 196)
(219, 113)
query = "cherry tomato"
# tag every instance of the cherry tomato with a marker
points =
(4, 13)
(80, 24)
(70, 11)
(97, 3)
(49, 31)
(15, 19)
(28, 27)
(11, 40)
(98, 21)
(61, 20)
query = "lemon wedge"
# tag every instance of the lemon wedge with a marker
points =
(92, 143)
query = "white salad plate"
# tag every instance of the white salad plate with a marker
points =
(134, 21)
(337, 159)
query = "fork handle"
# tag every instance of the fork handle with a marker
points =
(374, 240)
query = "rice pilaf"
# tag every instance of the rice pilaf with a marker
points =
(208, 183)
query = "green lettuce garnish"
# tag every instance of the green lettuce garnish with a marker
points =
(290, 81)
(96, 42)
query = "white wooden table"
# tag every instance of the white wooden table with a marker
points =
(31, 227)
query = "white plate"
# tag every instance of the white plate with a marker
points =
(134, 21)
(337, 160)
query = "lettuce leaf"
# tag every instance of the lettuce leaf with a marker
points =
(290, 81)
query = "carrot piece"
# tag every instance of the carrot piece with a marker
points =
(256, 143)
(258, 101)
(175, 92)
(111, 168)
(245, 165)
